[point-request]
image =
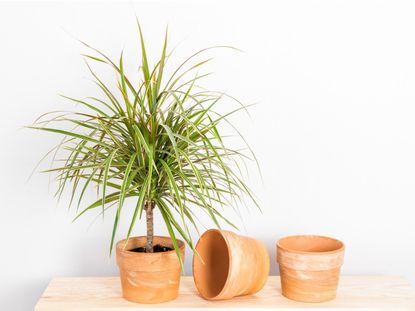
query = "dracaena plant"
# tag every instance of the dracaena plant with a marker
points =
(158, 141)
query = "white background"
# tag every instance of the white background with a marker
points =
(334, 127)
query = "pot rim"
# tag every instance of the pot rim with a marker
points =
(229, 264)
(120, 246)
(341, 249)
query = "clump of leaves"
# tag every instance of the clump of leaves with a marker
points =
(159, 141)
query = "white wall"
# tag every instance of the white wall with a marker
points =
(334, 128)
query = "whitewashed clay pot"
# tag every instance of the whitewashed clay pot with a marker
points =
(229, 265)
(149, 277)
(309, 267)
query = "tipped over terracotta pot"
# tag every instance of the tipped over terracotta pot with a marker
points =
(149, 277)
(229, 265)
(309, 267)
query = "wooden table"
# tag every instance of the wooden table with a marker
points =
(104, 293)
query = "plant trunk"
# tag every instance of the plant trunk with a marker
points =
(149, 206)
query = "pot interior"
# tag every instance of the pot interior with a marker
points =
(310, 243)
(211, 274)
(140, 241)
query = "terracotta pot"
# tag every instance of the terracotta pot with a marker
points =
(149, 277)
(232, 265)
(309, 267)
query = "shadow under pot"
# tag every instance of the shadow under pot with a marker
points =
(227, 265)
(149, 277)
(309, 267)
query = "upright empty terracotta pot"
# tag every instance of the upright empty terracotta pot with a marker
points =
(149, 277)
(229, 265)
(309, 267)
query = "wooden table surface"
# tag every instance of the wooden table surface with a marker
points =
(104, 293)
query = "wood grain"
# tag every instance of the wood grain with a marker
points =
(104, 293)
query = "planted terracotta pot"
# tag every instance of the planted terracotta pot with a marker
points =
(309, 267)
(149, 277)
(229, 265)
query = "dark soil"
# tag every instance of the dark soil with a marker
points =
(156, 249)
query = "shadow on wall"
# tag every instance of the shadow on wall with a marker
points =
(85, 257)
(274, 270)
(23, 295)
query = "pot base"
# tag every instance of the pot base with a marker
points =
(149, 287)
